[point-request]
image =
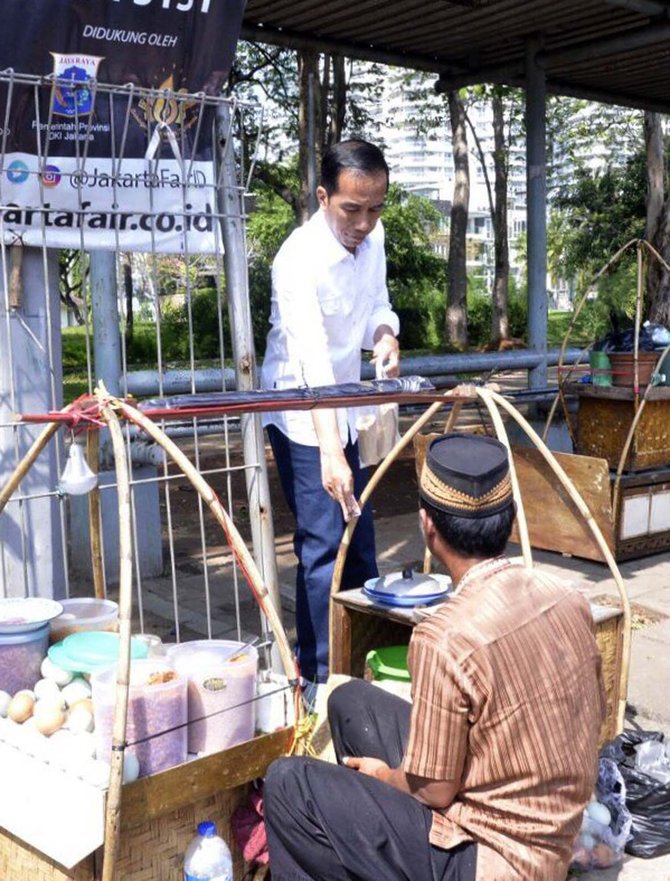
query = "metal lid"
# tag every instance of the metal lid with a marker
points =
(405, 584)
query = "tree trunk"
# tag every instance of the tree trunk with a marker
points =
(339, 105)
(457, 280)
(500, 322)
(658, 221)
(309, 130)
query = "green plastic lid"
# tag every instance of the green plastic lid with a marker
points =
(91, 650)
(389, 662)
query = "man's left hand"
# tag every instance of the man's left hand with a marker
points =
(371, 767)
(387, 353)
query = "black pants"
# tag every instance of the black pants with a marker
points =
(326, 822)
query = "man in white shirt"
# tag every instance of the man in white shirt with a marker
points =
(329, 301)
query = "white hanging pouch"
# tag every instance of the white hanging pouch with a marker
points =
(377, 428)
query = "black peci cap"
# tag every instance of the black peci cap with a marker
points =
(466, 475)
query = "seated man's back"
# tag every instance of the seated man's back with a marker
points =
(506, 687)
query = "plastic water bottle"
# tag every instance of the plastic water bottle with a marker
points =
(207, 857)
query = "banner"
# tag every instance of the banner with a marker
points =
(128, 167)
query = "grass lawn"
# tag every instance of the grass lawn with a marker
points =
(142, 352)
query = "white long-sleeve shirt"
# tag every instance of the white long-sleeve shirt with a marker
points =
(327, 304)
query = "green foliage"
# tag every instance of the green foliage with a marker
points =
(267, 227)
(416, 276)
(598, 212)
(206, 319)
(480, 312)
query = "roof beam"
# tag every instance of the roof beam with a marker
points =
(558, 87)
(297, 40)
(658, 32)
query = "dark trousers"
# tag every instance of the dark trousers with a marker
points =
(319, 530)
(326, 822)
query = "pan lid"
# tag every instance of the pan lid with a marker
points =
(406, 583)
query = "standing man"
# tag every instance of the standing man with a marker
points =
(329, 301)
(485, 775)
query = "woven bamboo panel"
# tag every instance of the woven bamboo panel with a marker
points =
(155, 850)
(609, 636)
(20, 862)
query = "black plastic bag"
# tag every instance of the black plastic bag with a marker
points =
(647, 800)
(652, 337)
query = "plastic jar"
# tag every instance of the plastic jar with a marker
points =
(84, 613)
(21, 655)
(221, 692)
(157, 714)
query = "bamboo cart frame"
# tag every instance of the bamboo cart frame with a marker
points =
(148, 794)
(495, 403)
(144, 797)
(640, 400)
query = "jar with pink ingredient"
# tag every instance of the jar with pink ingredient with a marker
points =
(221, 691)
(157, 714)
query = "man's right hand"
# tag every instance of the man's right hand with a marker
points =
(338, 482)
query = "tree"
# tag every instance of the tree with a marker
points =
(657, 226)
(456, 325)
(499, 317)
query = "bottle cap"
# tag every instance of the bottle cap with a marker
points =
(207, 829)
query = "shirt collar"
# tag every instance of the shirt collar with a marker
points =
(483, 570)
(334, 252)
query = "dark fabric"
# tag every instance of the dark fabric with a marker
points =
(329, 823)
(319, 530)
(471, 463)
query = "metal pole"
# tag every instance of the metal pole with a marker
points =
(237, 290)
(536, 207)
(106, 334)
(312, 202)
(32, 557)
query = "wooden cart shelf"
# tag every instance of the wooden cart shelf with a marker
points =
(360, 625)
(614, 392)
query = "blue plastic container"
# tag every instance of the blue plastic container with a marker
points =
(21, 655)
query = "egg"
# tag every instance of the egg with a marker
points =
(581, 859)
(5, 700)
(80, 719)
(47, 689)
(603, 856)
(96, 772)
(50, 671)
(599, 812)
(21, 706)
(587, 841)
(86, 703)
(86, 744)
(76, 690)
(64, 749)
(131, 767)
(48, 717)
(36, 744)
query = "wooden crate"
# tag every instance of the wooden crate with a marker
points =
(643, 516)
(359, 625)
(605, 416)
(159, 816)
(639, 526)
(554, 521)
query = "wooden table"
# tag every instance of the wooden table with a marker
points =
(360, 625)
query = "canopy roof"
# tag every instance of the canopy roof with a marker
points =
(616, 51)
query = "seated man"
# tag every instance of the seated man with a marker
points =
(485, 775)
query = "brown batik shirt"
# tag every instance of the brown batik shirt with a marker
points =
(508, 699)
